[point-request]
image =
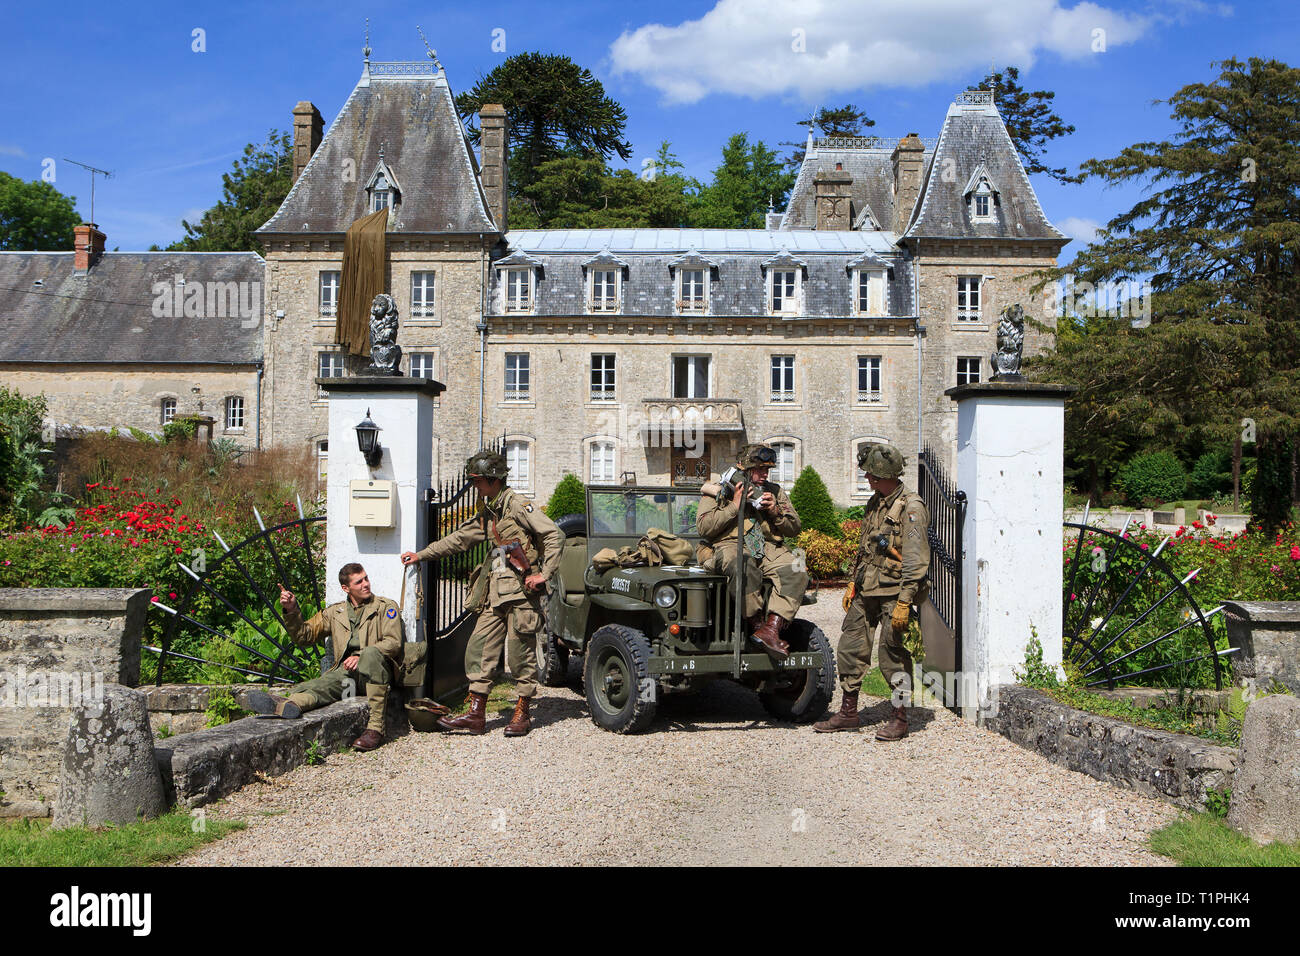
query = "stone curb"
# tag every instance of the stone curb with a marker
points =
(1176, 768)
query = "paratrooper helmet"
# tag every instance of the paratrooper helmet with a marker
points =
(881, 460)
(486, 463)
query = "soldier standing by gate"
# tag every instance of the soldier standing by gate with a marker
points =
(889, 575)
(506, 590)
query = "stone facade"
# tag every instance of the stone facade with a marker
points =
(58, 647)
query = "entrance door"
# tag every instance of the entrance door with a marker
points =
(690, 466)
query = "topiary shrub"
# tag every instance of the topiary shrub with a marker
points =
(1158, 474)
(813, 503)
(568, 498)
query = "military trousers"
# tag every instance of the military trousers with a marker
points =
(373, 670)
(777, 566)
(853, 657)
(512, 626)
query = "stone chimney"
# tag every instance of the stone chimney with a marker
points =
(909, 163)
(88, 242)
(308, 128)
(833, 199)
(492, 143)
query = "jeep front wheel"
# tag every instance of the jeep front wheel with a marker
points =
(616, 677)
(802, 696)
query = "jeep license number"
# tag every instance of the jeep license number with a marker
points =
(678, 664)
(621, 584)
(800, 660)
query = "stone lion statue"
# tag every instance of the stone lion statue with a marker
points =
(1011, 339)
(385, 353)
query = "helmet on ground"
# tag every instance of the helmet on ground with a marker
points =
(883, 461)
(486, 463)
(756, 456)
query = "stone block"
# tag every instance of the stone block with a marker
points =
(1266, 790)
(109, 774)
(1268, 633)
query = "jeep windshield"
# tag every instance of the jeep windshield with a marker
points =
(633, 513)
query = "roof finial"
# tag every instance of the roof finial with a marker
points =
(433, 54)
(769, 203)
(366, 50)
(381, 151)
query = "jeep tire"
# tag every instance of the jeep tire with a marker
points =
(552, 659)
(616, 676)
(802, 696)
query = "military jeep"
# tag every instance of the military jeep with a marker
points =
(643, 632)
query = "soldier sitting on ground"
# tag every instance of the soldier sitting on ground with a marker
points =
(506, 590)
(367, 642)
(767, 528)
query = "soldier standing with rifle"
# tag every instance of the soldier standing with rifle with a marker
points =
(889, 575)
(506, 590)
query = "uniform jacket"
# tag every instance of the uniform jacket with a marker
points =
(378, 627)
(717, 522)
(514, 518)
(904, 519)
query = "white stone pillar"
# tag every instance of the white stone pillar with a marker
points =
(1010, 450)
(402, 407)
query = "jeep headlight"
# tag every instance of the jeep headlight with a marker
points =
(665, 595)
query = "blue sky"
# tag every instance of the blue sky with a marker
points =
(123, 89)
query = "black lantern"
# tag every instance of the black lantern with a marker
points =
(368, 441)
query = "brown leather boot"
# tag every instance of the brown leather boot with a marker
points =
(471, 720)
(369, 740)
(896, 729)
(769, 635)
(846, 719)
(519, 724)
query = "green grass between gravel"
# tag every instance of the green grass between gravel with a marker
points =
(25, 842)
(1201, 840)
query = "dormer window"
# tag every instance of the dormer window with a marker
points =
(382, 189)
(604, 282)
(381, 196)
(784, 284)
(691, 273)
(517, 277)
(981, 196)
(869, 274)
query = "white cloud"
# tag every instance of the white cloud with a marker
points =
(1082, 231)
(750, 47)
(6, 150)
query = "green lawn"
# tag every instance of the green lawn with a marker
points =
(1201, 840)
(33, 843)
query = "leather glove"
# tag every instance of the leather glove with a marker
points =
(902, 614)
(850, 593)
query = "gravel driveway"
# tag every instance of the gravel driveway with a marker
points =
(712, 782)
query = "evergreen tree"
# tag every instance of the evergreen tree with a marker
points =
(749, 178)
(251, 194)
(34, 216)
(568, 498)
(1029, 120)
(813, 503)
(845, 120)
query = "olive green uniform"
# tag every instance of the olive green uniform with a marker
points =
(372, 631)
(882, 581)
(509, 613)
(766, 554)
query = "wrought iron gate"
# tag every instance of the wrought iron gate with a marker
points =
(941, 615)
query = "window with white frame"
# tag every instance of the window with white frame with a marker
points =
(234, 412)
(328, 365)
(691, 376)
(782, 378)
(783, 471)
(322, 459)
(422, 364)
(868, 379)
(329, 294)
(168, 410)
(870, 296)
(602, 463)
(517, 460)
(968, 298)
(602, 377)
(603, 289)
(518, 378)
(519, 290)
(692, 290)
(381, 194)
(982, 203)
(422, 295)
(783, 290)
(968, 369)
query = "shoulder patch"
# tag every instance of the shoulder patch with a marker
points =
(528, 508)
(391, 613)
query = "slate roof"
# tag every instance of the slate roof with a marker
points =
(867, 160)
(106, 315)
(974, 136)
(407, 110)
(738, 284)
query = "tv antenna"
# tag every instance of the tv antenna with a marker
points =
(103, 172)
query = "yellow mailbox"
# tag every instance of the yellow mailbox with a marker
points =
(371, 503)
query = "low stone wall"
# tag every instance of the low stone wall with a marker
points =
(58, 647)
(181, 708)
(1268, 633)
(1176, 768)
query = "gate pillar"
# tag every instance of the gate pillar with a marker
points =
(1010, 449)
(402, 407)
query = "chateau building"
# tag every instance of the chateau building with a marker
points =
(649, 352)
